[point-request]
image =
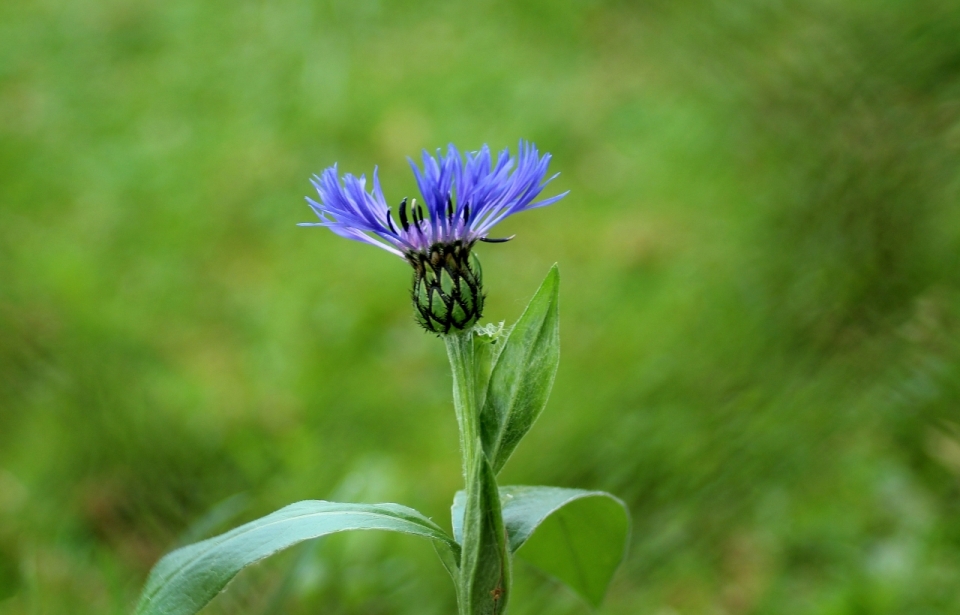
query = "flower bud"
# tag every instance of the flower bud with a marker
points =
(447, 287)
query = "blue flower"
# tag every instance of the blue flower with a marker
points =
(465, 197)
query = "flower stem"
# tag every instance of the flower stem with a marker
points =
(461, 355)
(484, 563)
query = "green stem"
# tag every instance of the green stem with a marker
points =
(484, 564)
(462, 362)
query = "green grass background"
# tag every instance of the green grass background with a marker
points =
(760, 297)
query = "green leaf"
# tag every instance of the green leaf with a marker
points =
(577, 536)
(487, 344)
(184, 581)
(484, 562)
(523, 374)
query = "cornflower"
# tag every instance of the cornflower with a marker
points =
(465, 197)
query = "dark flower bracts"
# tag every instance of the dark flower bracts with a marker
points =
(447, 287)
(465, 197)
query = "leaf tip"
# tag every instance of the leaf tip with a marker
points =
(552, 281)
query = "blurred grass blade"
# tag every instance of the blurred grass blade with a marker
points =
(522, 377)
(184, 581)
(216, 518)
(577, 536)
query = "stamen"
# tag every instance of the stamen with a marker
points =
(466, 213)
(417, 215)
(497, 239)
(403, 215)
(390, 222)
(449, 207)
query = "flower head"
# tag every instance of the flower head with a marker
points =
(465, 197)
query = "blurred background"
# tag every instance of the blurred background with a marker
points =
(760, 297)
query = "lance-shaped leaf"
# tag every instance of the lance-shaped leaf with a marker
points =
(184, 581)
(577, 536)
(484, 561)
(523, 374)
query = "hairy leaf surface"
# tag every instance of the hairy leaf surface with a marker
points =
(577, 536)
(485, 564)
(184, 581)
(523, 374)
